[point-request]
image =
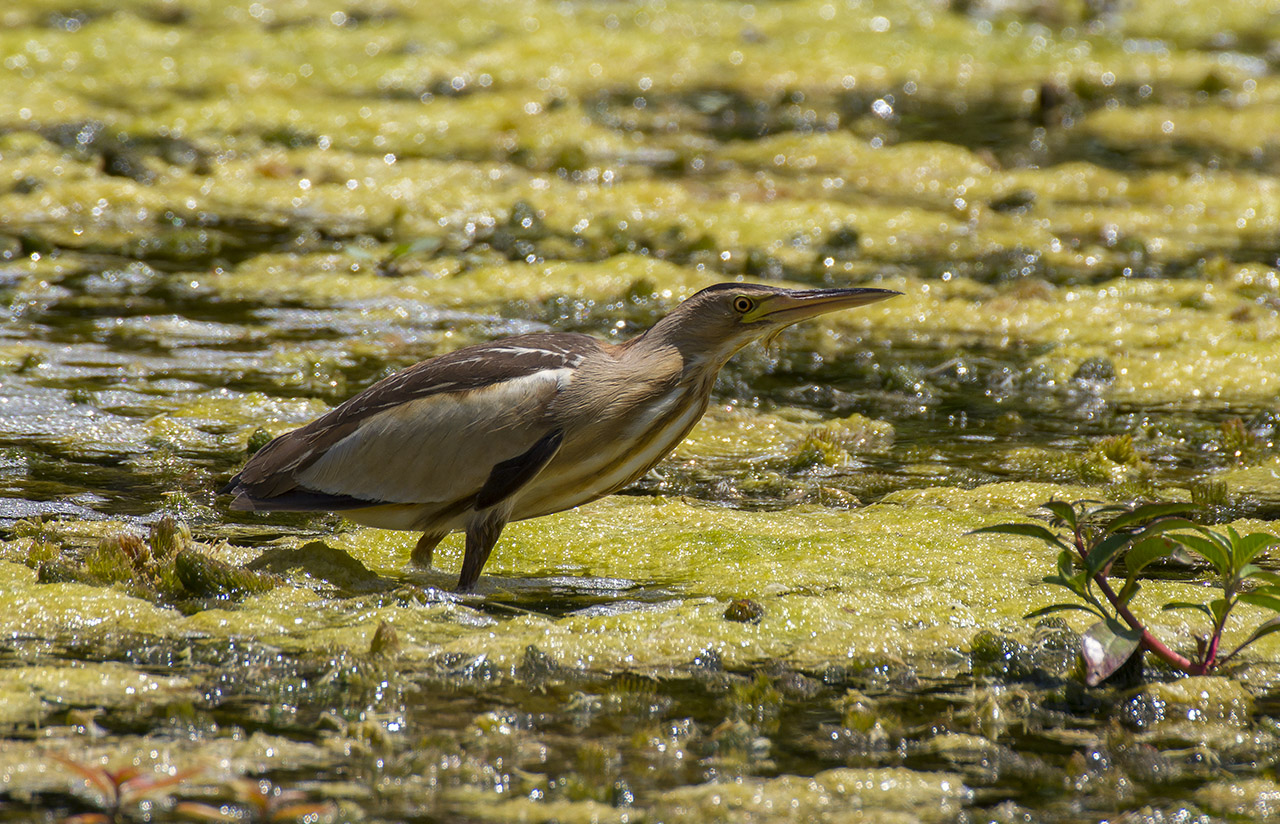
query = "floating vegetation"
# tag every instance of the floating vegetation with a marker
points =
(217, 222)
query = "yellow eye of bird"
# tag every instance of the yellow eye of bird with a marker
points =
(743, 304)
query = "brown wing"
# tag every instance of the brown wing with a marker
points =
(434, 432)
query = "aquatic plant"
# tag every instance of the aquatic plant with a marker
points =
(1240, 444)
(1101, 537)
(744, 611)
(259, 801)
(205, 575)
(119, 790)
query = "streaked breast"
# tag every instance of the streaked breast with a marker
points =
(607, 457)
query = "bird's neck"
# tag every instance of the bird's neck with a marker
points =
(700, 356)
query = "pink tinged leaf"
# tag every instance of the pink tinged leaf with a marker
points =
(94, 775)
(308, 811)
(140, 786)
(124, 775)
(1105, 647)
(198, 811)
(253, 794)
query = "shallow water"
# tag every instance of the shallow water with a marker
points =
(216, 222)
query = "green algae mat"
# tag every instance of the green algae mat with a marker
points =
(219, 220)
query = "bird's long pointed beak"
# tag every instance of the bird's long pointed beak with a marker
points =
(800, 304)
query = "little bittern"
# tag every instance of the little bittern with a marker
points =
(520, 427)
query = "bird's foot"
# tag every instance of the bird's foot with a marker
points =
(425, 548)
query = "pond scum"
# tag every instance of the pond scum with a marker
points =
(218, 220)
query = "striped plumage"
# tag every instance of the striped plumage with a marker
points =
(519, 427)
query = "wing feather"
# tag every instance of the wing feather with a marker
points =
(430, 433)
(438, 448)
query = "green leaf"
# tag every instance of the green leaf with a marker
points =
(1088, 595)
(1259, 574)
(1166, 524)
(1247, 548)
(1063, 511)
(1224, 542)
(1264, 629)
(1066, 566)
(1025, 530)
(1052, 608)
(1172, 605)
(1147, 512)
(1074, 583)
(1144, 552)
(1219, 607)
(1059, 581)
(1105, 647)
(1247, 571)
(1103, 551)
(1207, 549)
(422, 244)
(1258, 599)
(1130, 589)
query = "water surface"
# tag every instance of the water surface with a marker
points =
(218, 221)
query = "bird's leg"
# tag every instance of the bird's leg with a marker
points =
(482, 533)
(426, 547)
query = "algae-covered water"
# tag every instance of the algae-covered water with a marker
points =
(218, 220)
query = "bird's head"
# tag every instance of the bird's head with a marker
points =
(718, 321)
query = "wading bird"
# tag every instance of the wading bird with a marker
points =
(519, 427)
